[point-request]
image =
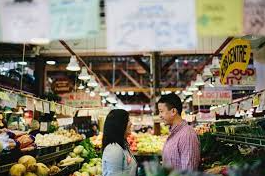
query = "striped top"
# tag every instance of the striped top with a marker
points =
(182, 148)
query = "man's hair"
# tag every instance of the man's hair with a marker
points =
(172, 101)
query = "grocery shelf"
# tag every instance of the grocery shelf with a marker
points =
(43, 158)
(240, 139)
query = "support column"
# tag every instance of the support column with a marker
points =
(39, 75)
(155, 89)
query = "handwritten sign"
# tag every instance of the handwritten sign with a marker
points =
(39, 105)
(240, 77)
(22, 22)
(81, 99)
(74, 19)
(212, 98)
(219, 18)
(46, 107)
(62, 85)
(236, 56)
(30, 104)
(152, 25)
(254, 17)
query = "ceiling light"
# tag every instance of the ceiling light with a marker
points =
(199, 93)
(103, 92)
(168, 92)
(92, 94)
(111, 99)
(147, 108)
(87, 90)
(104, 101)
(131, 93)
(84, 75)
(177, 92)
(215, 64)
(92, 82)
(187, 93)
(81, 86)
(199, 81)
(117, 93)
(22, 63)
(73, 64)
(123, 93)
(207, 72)
(192, 87)
(40, 41)
(50, 62)
(163, 92)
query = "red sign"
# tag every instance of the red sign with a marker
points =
(240, 77)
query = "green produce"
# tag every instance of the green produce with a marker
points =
(90, 149)
(1, 147)
(17, 170)
(78, 149)
(84, 153)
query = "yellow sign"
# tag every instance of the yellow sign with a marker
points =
(236, 56)
(219, 18)
(256, 101)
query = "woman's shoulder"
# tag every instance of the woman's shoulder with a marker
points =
(113, 148)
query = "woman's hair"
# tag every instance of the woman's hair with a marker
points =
(115, 127)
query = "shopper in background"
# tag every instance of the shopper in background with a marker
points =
(95, 130)
(117, 158)
(182, 148)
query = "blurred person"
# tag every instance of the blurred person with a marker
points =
(117, 158)
(182, 148)
(95, 131)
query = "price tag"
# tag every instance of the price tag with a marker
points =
(57, 149)
(44, 126)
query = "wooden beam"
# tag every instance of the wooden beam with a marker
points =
(117, 81)
(167, 65)
(137, 89)
(105, 80)
(142, 64)
(134, 82)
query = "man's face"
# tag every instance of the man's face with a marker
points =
(165, 114)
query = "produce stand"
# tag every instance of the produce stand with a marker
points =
(42, 154)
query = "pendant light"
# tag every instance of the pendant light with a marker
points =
(207, 72)
(199, 81)
(81, 86)
(92, 82)
(215, 64)
(73, 64)
(192, 87)
(103, 92)
(84, 75)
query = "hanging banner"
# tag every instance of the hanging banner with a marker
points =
(254, 13)
(52, 106)
(30, 104)
(4, 96)
(46, 107)
(240, 77)
(58, 109)
(12, 102)
(21, 100)
(219, 18)
(235, 56)
(233, 109)
(81, 99)
(212, 98)
(24, 21)
(38, 105)
(152, 25)
(74, 19)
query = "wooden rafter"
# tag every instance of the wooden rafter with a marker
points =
(142, 64)
(134, 82)
(105, 80)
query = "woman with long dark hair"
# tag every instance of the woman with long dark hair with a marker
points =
(117, 158)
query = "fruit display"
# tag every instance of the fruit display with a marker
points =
(77, 156)
(201, 129)
(93, 168)
(164, 129)
(57, 138)
(97, 140)
(28, 166)
(146, 143)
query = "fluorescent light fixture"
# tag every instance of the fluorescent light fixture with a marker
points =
(50, 62)
(22, 63)
(40, 41)
(131, 93)
(123, 93)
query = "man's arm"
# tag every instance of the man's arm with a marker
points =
(189, 151)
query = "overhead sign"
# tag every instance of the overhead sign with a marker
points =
(24, 22)
(254, 13)
(81, 99)
(235, 56)
(219, 18)
(240, 77)
(74, 19)
(152, 25)
(62, 85)
(212, 98)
